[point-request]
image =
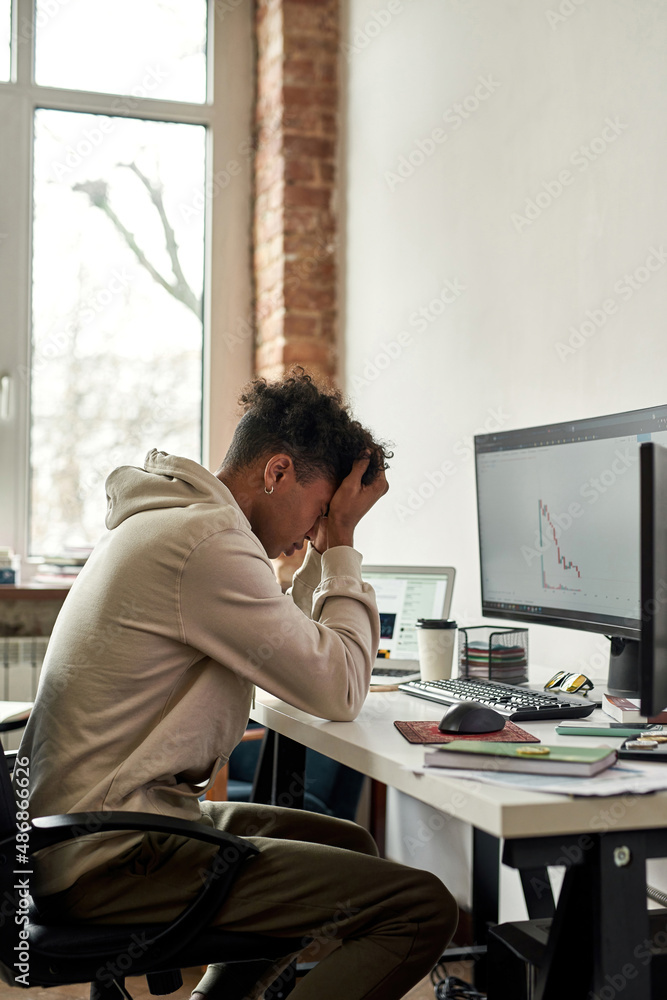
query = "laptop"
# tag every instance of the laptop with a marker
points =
(404, 594)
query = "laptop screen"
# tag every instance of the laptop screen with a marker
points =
(404, 594)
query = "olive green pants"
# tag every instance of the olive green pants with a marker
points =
(315, 877)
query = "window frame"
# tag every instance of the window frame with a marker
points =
(228, 117)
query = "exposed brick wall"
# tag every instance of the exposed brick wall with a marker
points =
(295, 223)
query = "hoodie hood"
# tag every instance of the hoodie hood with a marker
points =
(164, 481)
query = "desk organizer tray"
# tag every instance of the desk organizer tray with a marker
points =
(428, 732)
(496, 654)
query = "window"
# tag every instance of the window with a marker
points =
(5, 37)
(118, 177)
(116, 310)
(86, 45)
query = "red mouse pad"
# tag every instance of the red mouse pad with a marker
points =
(428, 732)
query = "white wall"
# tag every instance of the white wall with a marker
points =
(492, 358)
(560, 75)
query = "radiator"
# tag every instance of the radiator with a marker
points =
(20, 663)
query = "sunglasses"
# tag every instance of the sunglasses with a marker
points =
(572, 683)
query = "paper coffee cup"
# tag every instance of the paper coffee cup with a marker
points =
(436, 638)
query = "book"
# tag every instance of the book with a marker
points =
(615, 729)
(575, 761)
(627, 710)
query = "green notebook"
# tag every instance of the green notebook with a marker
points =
(577, 761)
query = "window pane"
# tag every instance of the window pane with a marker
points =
(142, 48)
(117, 331)
(5, 38)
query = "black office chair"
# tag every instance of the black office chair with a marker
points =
(104, 954)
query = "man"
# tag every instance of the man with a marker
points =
(149, 675)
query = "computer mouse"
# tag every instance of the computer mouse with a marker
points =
(471, 717)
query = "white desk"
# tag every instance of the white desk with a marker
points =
(601, 909)
(372, 744)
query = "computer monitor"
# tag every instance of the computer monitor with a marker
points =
(559, 528)
(653, 650)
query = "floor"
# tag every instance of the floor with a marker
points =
(137, 989)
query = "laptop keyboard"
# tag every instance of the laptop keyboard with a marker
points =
(396, 672)
(513, 702)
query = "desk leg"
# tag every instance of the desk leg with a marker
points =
(485, 888)
(280, 773)
(537, 893)
(289, 773)
(378, 820)
(601, 925)
(263, 779)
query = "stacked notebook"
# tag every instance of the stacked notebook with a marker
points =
(491, 756)
(505, 663)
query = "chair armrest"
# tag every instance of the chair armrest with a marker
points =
(9, 724)
(49, 830)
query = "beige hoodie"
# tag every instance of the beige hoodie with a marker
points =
(148, 677)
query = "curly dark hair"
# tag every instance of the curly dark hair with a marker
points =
(307, 420)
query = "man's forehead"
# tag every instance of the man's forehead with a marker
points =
(321, 488)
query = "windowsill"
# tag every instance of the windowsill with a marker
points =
(33, 591)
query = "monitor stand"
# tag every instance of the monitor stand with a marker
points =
(623, 677)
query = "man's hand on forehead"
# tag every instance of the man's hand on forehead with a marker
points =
(348, 505)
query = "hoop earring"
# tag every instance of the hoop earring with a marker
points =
(268, 492)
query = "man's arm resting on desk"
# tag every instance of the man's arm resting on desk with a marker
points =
(234, 611)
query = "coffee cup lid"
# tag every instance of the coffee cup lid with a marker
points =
(436, 623)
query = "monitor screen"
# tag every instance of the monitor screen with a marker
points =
(559, 528)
